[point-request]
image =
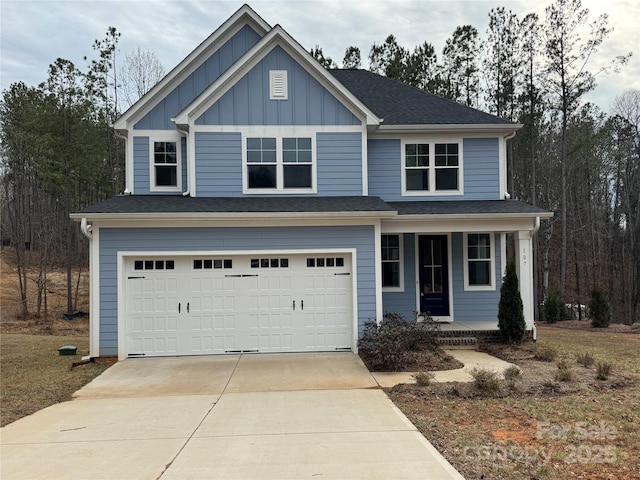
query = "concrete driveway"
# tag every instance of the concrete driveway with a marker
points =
(224, 417)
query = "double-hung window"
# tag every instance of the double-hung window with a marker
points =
(165, 168)
(392, 262)
(479, 261)
(261, 162)
(432, 168)
(280, 165)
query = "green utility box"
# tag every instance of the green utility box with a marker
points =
(67, 350)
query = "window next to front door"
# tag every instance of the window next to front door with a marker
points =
(479, 262)
(392, 271)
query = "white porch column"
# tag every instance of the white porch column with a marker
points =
(524, 269)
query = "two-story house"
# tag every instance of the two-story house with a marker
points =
(275, 206)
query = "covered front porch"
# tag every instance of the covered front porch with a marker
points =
(445, 261)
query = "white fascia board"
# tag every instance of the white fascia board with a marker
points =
(458, 223)
(276, 37)
(245, 218)
(450, 128)
(245, 15)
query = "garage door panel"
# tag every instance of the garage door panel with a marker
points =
(279, 304)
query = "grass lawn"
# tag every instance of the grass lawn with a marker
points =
(34, 376)
(581, 428)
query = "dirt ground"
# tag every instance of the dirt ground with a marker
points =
(544, 426)
(586, 325)
(11, 319)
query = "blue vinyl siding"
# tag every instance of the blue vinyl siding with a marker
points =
(141, 165)
(181, 96)
(248, 103)
(218, 164)
(384, 169)
(113, 240)
(475, 305)
(468, 306)
(481, 167)
(141, 172)
(339, 159)
(404, 302)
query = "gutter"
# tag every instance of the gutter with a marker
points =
(212, 216)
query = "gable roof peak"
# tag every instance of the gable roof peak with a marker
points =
(245, 15)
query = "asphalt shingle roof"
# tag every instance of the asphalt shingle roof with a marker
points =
(464, 207)
(401, 104)
(180, 204)
(124, 204)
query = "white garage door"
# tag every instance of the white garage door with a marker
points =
(228, 304)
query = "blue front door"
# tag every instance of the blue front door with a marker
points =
(434, 275)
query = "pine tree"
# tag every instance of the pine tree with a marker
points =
(510, 310)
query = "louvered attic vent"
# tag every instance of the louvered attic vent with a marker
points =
(278, 85)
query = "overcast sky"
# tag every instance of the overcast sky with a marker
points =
(35, 32)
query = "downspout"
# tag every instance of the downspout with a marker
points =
(85, 228)
(536, 227)
(507, 194)
(126, 139)
(186, 135)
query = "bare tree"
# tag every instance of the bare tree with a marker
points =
(568, 79)
(140, 71)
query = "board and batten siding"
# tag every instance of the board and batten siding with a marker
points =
(404, 302)
(113, 240)
(219, 164)
(474, 305)
(248, 103)
(481, 166)
(159, 118)
(142, 164)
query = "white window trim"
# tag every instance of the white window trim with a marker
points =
(165, 137)
(400, 287)
(279, 133)
(280, 75)
(432, 192)
(492, 267)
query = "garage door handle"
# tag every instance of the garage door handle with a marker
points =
(178, 307)
(301, 304)
(187, 307)
(294, 304)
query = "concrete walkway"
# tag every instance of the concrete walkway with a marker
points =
(470, 358)
(226, 417)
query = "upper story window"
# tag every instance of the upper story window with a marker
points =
(165, 168)
(432, 168)
(479, 271)
(279, 165)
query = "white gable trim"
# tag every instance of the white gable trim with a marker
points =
(276, 37)
(244, 16)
